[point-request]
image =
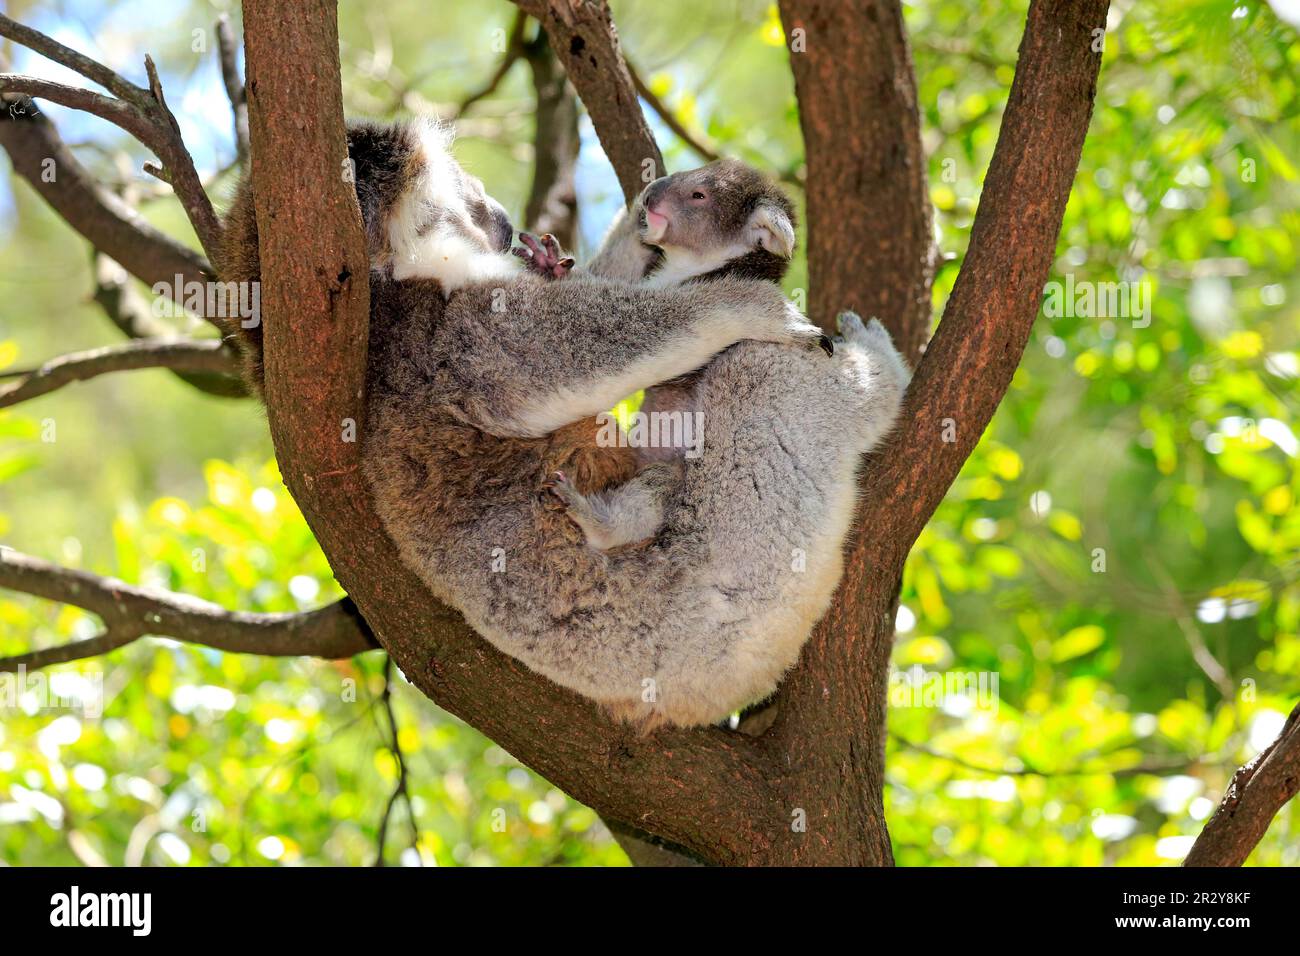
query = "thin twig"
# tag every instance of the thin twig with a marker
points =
(102, 217)
(1201, 653)
(400, 790)
(118, 112)
(200, 355)
(77, 62)
(705, 151)
(129, 612)
(1154, 766)
(513, 51)
(141, 112)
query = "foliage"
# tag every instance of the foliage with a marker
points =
(1133, 502)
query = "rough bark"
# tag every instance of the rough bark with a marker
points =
(869, 221)
(1255, 794)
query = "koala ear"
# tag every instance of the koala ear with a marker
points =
(770, 228)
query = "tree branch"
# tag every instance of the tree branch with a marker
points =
(968, 365)
(77, 62)
(141, 112)
(702, 149)
(1255, 794)
(117, 112)
(208, 356)
(870, 239)
(41, 157)
(228, 54)
(130, 612)
(583, 37)
(514, 50)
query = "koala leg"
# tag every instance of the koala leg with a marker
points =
(629, 513)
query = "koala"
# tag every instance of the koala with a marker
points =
(424, 218)
(483, 380)
(722, 220)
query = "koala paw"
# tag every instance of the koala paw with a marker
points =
(543, 256)
(799, 331)
(869, 335)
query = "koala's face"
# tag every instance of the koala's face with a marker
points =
(725, 205)
(480, 218)
(419, 206)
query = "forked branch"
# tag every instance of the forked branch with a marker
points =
(142, 112)
(130, 613)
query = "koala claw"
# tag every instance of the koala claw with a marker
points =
(559, 489)
(544, 256)
(555, 492)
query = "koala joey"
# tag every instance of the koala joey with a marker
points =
(483, 380)
(726, 219)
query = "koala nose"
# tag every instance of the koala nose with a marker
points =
(654, 192)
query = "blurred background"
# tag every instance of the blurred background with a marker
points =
(1115, 572)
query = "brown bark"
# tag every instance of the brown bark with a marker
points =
(584, 39)
(1255, 794)
(553, 199)
(870, 236)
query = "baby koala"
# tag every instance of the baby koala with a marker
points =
(724, 219)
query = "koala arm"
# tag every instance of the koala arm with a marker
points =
(534, 355)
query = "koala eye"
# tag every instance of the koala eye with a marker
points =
(698, 195)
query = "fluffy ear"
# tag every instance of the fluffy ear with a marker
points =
(770, 228)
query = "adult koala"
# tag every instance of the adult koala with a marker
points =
(484, 380)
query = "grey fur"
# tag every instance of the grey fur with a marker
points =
(480, 389)
(467, 393)
(696, 238)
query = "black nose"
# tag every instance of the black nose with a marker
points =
(655, 191)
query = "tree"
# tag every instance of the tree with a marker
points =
(801, 782)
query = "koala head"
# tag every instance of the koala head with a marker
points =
(720, 211)
(425, 216)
